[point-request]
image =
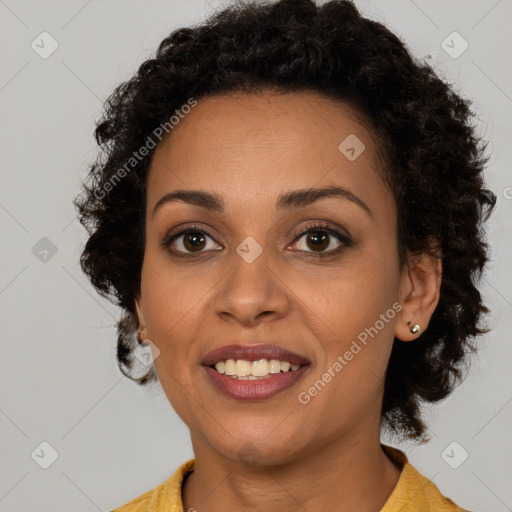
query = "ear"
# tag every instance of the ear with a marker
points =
(419, 292)
(141, 322)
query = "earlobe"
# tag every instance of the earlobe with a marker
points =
(408, 331)
(420, 289)
(141, 330)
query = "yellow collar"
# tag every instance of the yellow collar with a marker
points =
(413, 492)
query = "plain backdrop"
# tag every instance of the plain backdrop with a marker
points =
(108, 440)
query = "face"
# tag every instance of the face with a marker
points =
(313, 274)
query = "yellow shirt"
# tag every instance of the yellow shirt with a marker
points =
(413, 492)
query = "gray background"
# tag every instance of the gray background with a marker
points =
(60, 382)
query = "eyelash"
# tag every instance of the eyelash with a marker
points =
(323, 228)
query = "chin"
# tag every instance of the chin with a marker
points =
(264, 448)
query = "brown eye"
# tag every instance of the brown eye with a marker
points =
(318, 240)
(193, 241)
(189, 242)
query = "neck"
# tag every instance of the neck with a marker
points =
(348, 475)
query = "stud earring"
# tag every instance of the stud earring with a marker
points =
(415, 328)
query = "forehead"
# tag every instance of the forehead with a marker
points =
(255, 146)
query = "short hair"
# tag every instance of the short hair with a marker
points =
(432, 160)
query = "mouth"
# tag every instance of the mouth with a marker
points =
(253, 372)
(243, 369)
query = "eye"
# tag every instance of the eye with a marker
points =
(189, 242)
(319, 237)
(193, 241)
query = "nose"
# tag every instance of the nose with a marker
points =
(252, 291)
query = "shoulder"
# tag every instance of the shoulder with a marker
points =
(164, 498)
(414, 492)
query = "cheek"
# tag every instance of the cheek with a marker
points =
(348, 382)
(172, 306)
(353, 315)
(169, 296)
(349, 300)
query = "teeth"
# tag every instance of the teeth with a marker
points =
(251, 370)
(229, 367)
(274, 366)
(260, 368)
(242, 368)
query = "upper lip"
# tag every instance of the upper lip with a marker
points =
(252, 353)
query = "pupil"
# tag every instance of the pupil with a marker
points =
(194, 240)
(319, 239)
(319, 236)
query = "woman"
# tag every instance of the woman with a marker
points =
(289, 209)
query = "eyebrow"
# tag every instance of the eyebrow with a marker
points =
(287, 201)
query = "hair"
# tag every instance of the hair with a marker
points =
(432, 160)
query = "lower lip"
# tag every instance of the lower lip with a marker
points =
(255, 389)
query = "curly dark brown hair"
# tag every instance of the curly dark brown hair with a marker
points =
(432, 160)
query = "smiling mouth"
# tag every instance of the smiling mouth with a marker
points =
(243, 369)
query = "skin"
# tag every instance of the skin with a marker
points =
(250, 148)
